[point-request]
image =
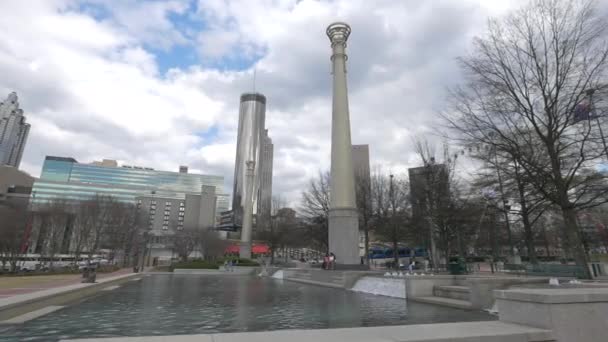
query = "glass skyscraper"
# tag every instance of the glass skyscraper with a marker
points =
(13, 131)
(65, 178)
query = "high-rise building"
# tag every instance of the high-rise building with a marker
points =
(252, 115)
(264, 209)
(425, 181)
(363, 186)
(361, 162)
(13, 131)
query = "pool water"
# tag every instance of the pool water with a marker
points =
(189, 304)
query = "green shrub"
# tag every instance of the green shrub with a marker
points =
(196, 264)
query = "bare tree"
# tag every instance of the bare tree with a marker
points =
(13, 231)
(363, 190)
(435, 197)
(275, 237)
(210, 244)
(315, 207)
(97, 212)
(184, 241)
(526, 80)
(391, 210)
(120, 226)
(55, 218)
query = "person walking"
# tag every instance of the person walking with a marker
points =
(332, 261)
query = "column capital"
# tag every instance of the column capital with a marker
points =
(338, 33)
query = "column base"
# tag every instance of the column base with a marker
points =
(344, 235)
(245, 250)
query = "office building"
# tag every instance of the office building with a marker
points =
(427, 180)
(252, 116)
(167, 201)
(13, 131)
(65, 178)
(166, 215)
(362, 184)
(264, 209)
(361, 162)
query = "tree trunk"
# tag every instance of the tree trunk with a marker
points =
(573, 235)
(525, 216)
(366, 236)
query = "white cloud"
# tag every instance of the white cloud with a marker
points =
(92, 88)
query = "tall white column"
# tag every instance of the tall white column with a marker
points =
(343, 215)
(245, 248)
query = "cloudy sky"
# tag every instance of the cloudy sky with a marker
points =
(157, 83)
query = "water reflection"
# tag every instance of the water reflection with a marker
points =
(185, 304)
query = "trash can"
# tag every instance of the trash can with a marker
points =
(457, 267)
(89, 274)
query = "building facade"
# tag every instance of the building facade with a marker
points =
(166, 202)
(361, 162)
(13, 131)
(252, 116)
(264, 209)
(15, 185)
(166, 216)
(362, 183)
(67, 179)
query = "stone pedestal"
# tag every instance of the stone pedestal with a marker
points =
(573, 314)
(344, 235)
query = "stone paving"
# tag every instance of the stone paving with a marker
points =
(17, 285)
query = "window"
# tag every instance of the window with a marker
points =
(182, 209)
(166, 217)
(181, 218)
(181, 204)
(167, 204)
(181, 214)
(165, 227)
(153, 202)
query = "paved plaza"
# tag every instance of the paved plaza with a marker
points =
(17, 285)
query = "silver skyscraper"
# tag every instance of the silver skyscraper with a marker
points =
(252, 115)
(265, 197)
(13, 131)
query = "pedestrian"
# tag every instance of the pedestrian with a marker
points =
(332, 261)
(412, 265)
(326, 261)
(426, 265)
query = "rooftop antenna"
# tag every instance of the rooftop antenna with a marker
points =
(254, 75)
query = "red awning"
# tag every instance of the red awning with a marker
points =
(255, 249)
(260, 249)
(232, 249)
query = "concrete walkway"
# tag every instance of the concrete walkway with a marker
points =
(18, 285)
(453, 332)
(19, 304)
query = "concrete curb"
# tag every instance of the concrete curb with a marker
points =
(22, 304)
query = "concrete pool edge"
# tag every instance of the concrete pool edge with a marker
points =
(491, 331)
(19, 305)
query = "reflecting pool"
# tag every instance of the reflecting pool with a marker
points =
(189, 304)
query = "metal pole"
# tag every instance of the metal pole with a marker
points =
(590, 93)
(504, 203)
